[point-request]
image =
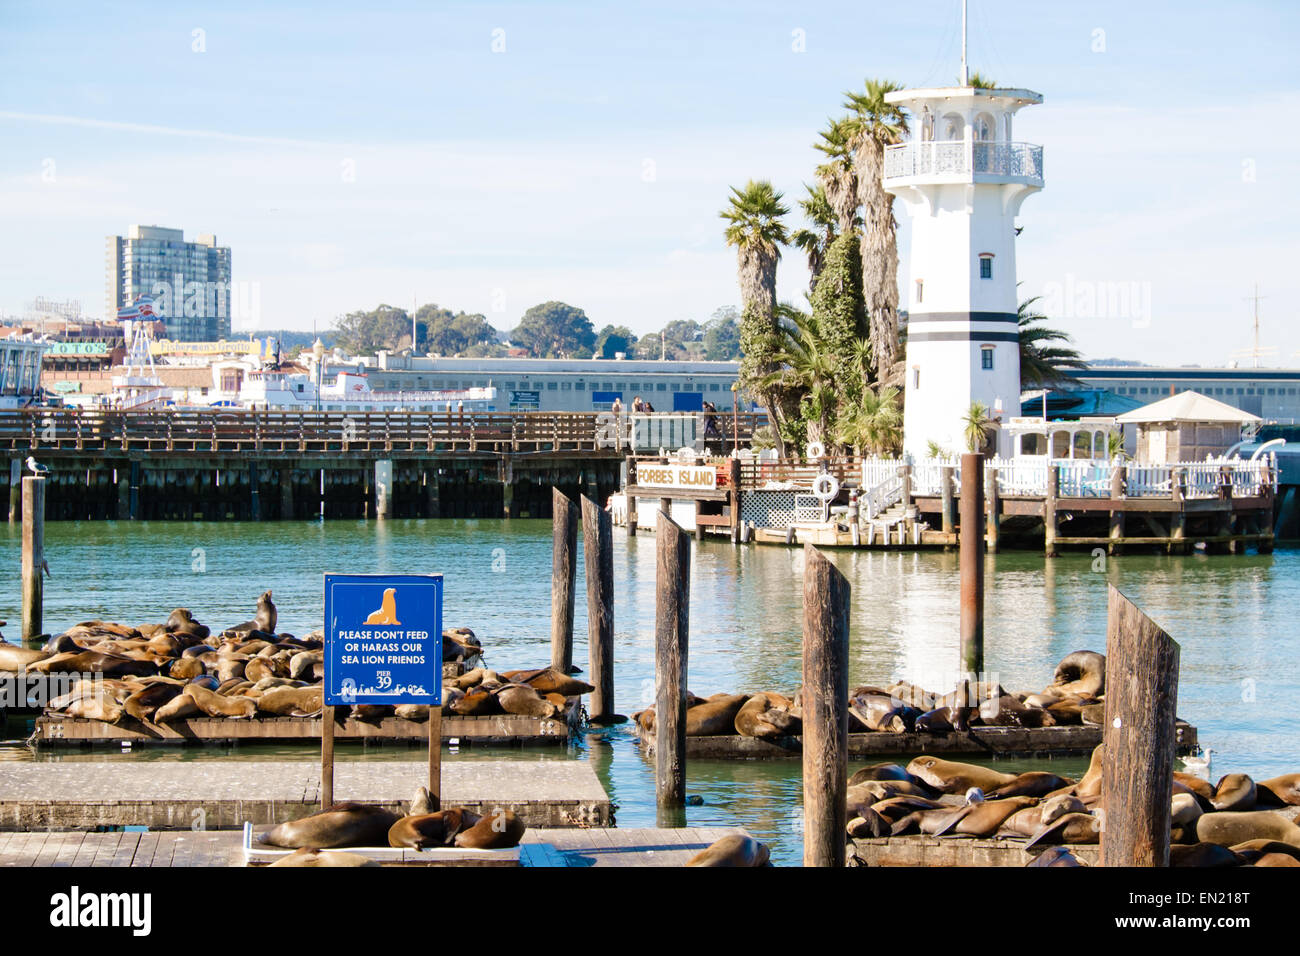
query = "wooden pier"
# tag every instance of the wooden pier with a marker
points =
(918, 850)
(541, 847)
(173, 794)
(1071, 741)
(57, 730)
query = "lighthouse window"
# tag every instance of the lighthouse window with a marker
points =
(986, 267)
(920, 291)
(986, 358)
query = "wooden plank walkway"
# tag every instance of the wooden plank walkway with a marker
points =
(497, 730)
(179, 795)
(543, 847)
(916, 850)
(988, 741)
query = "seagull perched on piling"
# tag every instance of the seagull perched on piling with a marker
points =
(36, 467)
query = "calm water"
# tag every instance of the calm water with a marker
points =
(1234, 617)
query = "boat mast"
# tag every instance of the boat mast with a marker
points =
(965, 77)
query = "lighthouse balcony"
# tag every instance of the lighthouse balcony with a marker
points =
(963, 161)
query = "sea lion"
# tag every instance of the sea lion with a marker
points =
(523, 700)
(950, 776)
(15, 658)
(430, 829)
(459, 643)
(1007, 711)
(1276, 859)
(292, 701)
(1092, 715)
(767, 715)
(942, 720)
(734, 849)
(867, 823)
(217, 705)
(179, 707)
(716, 716)
(1031, 819)
(1202, 788)
(100, 706)
(302, 663)
(373, 714)
(986, 817)
(94, 662)
(1055, 856)
(476, 703)
(880, 714)
(1035, 783)
(1080, 674)
(1184, 808)
(1234, 791)
(142, 704)
(1252, 849)
(1089, 785)
(387, 613)
(546, 681)
(1071, 828)
(1228, 828)
(418, 713)
(1202, 855)
(343, 824)
(307, 856)
(1279, 791)
(873, 791)
(496, 830)
(908, 694)
(880, 771)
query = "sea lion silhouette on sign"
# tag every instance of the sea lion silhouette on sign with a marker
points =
(387, 613)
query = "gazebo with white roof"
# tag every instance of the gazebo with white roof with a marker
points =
(1186, 427)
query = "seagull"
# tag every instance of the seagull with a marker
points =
(36, 467)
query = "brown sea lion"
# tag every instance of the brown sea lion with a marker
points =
(1202, 788)
(475, 703)
(186, 668)
(430, 829)
(142, 704)
(417, 713)
(1253, 849)
(1276, 859)
(1035, 783)
(949, 776)
(881, 714)
(716, 716)
(178, 708)
(1202, 855)
(1055, 856)
(546, 681)
(292, 701)
(1080, 674)
(1092, 715)
(1089, 785)
(372, 713)
(880, 771)
(14, 658)
(987, 817)
(767, 715)
(216, 705)
(523, 700)
(1234, 791)
(866, 823)
(343, 824)
(101, 706)
(307, 856)
(303, 662)
(1071, 828)
(94, 662)
(1009, 712)
(263, 621)
(1279, 791)
(1184, 808)
(873, 791)
(1030, 820)
(1228, 828)
(734, 849)
(459, 643)
(495, 830)
(908, 694)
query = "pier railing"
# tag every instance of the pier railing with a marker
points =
(225, 431)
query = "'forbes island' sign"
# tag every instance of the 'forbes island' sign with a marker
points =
(383, 639)
(685, 477)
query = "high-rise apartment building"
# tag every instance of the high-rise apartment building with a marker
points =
(189, 281)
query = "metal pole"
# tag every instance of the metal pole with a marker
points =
(971, 543)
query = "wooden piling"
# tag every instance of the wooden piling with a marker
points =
(564, 565)
(672, 630)
(1118, 491)
(826, 600)
(15, 488)
(255, 497)
(327, 757)
(945, 490)
(383, 488)
(1138, 737)
(1049, 509)
(286, 494)
(598, 560)
(993, 500)
(971, 541)
(135, 489)
(33, 560)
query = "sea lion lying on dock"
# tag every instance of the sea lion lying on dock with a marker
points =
(343, 824)
(950, 776)
(14, 658)
(1080, 674)
(766, 715)
(716, 715)
(497, 830)
(422, 830)
(734, 849)
(307, 856)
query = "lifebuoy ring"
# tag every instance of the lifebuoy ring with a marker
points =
(826, 487)
(816, 450)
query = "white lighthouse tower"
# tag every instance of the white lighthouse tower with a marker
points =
(962, 177)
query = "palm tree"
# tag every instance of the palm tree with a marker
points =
(979, 427)
(981, 82)
(754, 227)
(807, 370)
(874, 423)
(815, 241)
(1041, 363)
(876, 124)
(838, 176)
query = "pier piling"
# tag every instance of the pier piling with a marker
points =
(598, 558)
(33, 561)
(994, 505)
(672, 631)
(383, 488)
(15, 488)
(1139, 736)
(971, 541)
(1118, 484)
(1049, 510)
(564, 564)
(826, 601)
(945, 491)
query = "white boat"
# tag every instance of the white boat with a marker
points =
(349, 391)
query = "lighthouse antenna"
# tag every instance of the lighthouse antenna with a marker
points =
(965, 76)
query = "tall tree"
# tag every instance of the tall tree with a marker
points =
(755, 227)
(1042, 363)
(877, 124)
(555, 330)
(838, 308)
(807, 371)
(838, 175)
(613, 339)
(722, 335)
(363, 333)
(814, 241)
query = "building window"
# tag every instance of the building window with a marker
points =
(986, 267)
(714, 387)
(916, 376)
(986, 358)
(552, 386)
(920, 291)
(663, 387)
(580, 386)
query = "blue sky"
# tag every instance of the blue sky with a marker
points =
(351, 156)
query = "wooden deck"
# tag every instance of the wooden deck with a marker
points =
(951, 851)
(988, 741)
(498, 730)
(541, 847)
(180, 795)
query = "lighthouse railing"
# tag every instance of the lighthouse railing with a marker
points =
(963, 158)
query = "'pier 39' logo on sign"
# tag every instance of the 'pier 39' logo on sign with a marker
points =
(383, 639)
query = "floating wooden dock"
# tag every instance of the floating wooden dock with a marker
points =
(917, 850)
(541, 847)
(173, 794)
(55, 730)
(1075, 741)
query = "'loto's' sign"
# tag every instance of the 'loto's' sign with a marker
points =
(685, 477)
